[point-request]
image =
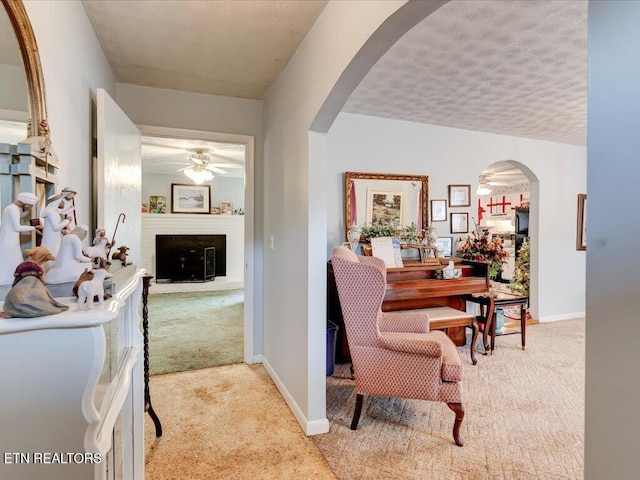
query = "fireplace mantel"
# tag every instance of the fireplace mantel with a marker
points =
(175, 224)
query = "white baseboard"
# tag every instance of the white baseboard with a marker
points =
(564, 316)
(314, 427)
(257, 359)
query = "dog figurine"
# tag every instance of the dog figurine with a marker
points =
(121, 255)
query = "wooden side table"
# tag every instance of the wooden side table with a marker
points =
(494, 300)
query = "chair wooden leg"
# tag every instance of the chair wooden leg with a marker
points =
(459, 411)
(357, 411)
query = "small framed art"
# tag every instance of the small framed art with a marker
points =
(190, 198)
(459, 195)
(459, 223)
(438, 210)
(445, 246)
(226, 208)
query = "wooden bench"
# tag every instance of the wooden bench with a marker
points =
(443, 318)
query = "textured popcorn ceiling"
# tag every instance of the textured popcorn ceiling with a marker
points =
(510, 67)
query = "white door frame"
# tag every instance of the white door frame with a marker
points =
(249, 178)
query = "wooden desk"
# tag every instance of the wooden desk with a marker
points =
(498, 298)
(415, 287)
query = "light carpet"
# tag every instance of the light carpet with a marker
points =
(524, 420)
(227, 423)
(195, 330)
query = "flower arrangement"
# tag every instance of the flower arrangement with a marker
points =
(484, 248)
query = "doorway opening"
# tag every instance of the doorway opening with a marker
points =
(194, 190)
(508, 208)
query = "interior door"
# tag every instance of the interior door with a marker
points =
(118, 182)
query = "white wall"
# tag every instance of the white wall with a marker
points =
(73, 66)
(312, 88)
(454, 156)
(613, 276)
(222, 188)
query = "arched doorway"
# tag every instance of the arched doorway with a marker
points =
(509, 207)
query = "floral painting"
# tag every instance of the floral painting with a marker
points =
(384, 208)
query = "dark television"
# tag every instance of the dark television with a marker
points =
(522, 228)
(190, 258)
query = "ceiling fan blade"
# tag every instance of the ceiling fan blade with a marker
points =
(215, 169)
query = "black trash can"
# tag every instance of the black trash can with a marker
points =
(332, 335)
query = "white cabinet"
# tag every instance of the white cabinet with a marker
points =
(71, 386)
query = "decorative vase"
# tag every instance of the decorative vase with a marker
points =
(354, 237)
(499, 320)
(432, 236)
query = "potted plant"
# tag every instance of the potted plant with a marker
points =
(484, 248)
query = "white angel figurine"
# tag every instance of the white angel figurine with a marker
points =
(10, 230)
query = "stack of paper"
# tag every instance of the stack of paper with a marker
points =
(388, 249)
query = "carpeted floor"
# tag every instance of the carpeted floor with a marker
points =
(227, 423)
(195, 330)
(524, 420)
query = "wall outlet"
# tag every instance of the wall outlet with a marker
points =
(271, 242)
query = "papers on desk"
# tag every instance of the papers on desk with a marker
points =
(388, 249)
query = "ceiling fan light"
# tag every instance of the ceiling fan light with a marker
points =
(198, 175)
(483, 189)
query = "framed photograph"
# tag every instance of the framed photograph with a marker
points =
(459, 223)
(445, 246)
(581, 232)
(459, 195)
(384, 207)
(226, 208)
(157, 204)
(438, 210)
(190, 198)
(215, 210)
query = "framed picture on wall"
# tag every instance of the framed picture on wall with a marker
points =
(459, 195)
(459, 223)
(190, 198)
(581, 233)
(438, 210)
(384, 207)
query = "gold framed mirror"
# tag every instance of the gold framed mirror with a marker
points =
(38, 125)
(384, 198)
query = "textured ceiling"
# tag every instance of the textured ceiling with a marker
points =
(234, 48)
(509, 67)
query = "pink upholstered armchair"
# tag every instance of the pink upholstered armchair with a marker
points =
(393, 354)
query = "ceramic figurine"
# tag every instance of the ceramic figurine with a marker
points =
(94, 287)
(121, 255)
(53, 224)
(10, 230)
(40, 255)
(29, 297)
(99, 248)
(69, 205)
(70, 261)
